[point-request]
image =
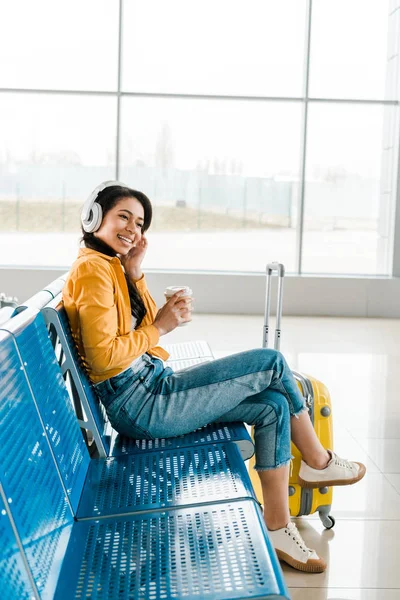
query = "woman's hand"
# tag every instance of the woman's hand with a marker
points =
(176, 311)
(133, 260)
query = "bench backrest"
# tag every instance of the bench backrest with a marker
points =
(36, 501)
(37, 301)
(52, 400)
(55, 287)
(6, 313)
(43, 297)
(91, 414)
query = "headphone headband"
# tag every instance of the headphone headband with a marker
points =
(92, 214)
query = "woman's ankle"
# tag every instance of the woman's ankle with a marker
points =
(318, 462)
(273, 524)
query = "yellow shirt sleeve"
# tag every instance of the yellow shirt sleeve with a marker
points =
(107, 350)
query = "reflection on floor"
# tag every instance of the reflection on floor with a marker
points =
(358, 359)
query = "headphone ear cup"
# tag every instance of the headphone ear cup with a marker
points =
(93, 222)
(92, 213)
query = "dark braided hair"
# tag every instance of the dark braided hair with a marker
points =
(107, 199)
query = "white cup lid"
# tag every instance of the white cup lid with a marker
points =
(172, 289)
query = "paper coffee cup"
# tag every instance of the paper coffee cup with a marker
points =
(172, 289)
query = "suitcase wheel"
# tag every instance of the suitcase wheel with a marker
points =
(327, 520)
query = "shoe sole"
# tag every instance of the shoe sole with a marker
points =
(320, 484)
(311, 566)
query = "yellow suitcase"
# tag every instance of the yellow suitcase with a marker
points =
(302, 501)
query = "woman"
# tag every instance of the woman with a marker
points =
(117, 328)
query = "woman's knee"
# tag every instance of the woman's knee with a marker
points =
(267, 359)
(277, 410)
(272, 436)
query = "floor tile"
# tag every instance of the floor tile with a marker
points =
(360, 554)
(383, 428)
(371, 498)
(394, 479)
(340, 431)
(348, 447)
(385, 453)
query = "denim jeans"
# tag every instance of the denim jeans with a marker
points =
(150, 400)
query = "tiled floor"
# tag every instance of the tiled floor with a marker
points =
(359, 361)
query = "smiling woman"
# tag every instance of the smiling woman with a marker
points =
(117, 329)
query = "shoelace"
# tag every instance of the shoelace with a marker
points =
(342, 462)
(294, 533)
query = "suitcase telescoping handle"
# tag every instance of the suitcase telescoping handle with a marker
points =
(280, 270)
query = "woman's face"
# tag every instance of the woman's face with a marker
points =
(121, 228)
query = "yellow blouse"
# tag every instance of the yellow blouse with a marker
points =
(96, 300)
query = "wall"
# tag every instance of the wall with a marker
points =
(241, 293)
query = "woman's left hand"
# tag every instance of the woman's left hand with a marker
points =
(133, 260)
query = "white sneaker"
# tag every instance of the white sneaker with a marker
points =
(338, 471)
(291, 548)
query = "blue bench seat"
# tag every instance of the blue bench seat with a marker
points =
(194, 553)
(217, 550)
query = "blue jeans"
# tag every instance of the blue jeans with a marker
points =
(150, 401)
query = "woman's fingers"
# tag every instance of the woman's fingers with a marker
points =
(177, 297)
(186, 310)
(184, 302)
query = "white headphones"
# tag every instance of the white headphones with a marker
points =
(92, 214)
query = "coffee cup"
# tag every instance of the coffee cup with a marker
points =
(173, 289)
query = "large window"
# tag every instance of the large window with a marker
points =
(252, 48)
(261, 130)
(342, 207)
(350, 54)
(53, 149)
(70, 45)
(221, 175)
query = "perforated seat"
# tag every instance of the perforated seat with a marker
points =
(160, 480)
(213, 552)
(212, 433)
